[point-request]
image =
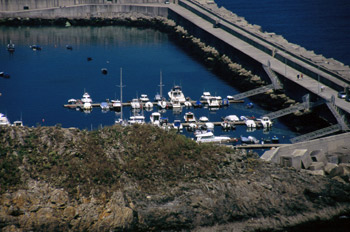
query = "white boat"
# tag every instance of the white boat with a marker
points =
(136, 119)
(188, 104)
(230, 97)
(4, 121)
(104, 106)
(248, 122)
(162, 104)
(205, 96)
(148, 105)
(157, 97)
(203, 119)
(87, 106)
(226, 125)
(116, 105)
(177, 124)
(175, 103)
(72, 101)
(144, 98)
(209, 125)
(213, 102)
(155, 118)
(265, 122)
(11, 47)
(231, 118)
(189, 117)
(176, 93)
(249, 139)
(209, 137)
(17, 123)
(135, 103)
(86, 98)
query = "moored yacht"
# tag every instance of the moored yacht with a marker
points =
(86, 98)
(116, 105)
(155, 118)
(4, 121)
(144, 98)
(209, 137)
(176, 93)
(213, 102)
(137, 119)
(189, 117)
(135, 103)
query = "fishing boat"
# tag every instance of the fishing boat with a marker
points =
(155, 118)
(135, 103)
(11, 47)
(4, 120)
(209, 137)
(189, 117)
(176, 93)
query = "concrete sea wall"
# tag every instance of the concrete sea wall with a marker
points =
(88, 11)
(17, 5)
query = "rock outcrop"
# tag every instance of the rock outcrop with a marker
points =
(145, 179)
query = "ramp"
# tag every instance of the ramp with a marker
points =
(338, 117)
(253, 92)
(317, 134)
(292, 109)
(273, 77)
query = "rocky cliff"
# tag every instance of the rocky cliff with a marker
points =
(142, 178)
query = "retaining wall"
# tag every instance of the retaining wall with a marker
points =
(18, 5)
(88, 11)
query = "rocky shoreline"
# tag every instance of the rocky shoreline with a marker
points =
(57, 179)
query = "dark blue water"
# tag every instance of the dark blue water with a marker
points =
(319, 25)
(42, 81)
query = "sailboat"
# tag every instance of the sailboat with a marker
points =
(161, 102)
(120, 120)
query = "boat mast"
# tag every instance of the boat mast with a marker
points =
(121, 93)
(161, 85)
